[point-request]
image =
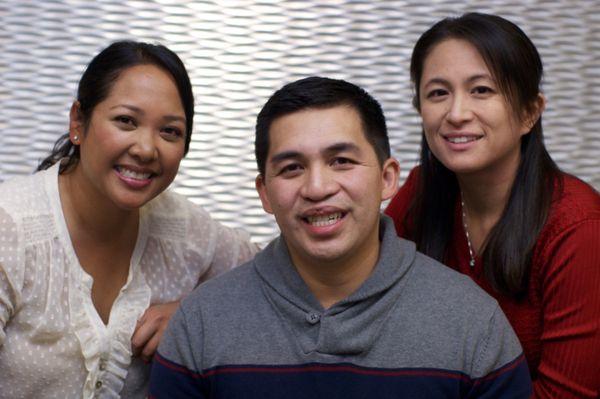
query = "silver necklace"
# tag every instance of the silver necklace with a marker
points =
(466, 228)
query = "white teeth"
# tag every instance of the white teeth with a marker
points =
(460, 140)
(132, 174)
(324, 220)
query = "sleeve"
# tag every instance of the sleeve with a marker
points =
(174, 373)
(397, 209)
(570, 358)
(499, 366)
(232, 247)
(9, 268)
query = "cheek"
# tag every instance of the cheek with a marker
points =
(362, 187)
(281, 196)
(176, 158)
(173, 157)
(430, 120)
(107, 145)
(430, 136)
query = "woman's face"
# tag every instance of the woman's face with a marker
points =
(467, 121)
(134, 141)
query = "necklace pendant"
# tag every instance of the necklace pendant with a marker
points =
(472, 262)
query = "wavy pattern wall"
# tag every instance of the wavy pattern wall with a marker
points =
(238, 52)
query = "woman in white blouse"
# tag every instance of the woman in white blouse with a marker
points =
(94, 254)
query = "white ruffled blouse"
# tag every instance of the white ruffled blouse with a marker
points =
(53, 343)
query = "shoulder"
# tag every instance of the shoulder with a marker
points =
(575, 204)
(170, 203)
(216, 307)
(573, 201)
(449, 291)
(457, 321)
(30, 206)
(226, 292)
(171, 215)
(24, 193)
(567, 245)
(25, 220)
(469, 319)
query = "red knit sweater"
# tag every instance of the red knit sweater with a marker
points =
(558, 323)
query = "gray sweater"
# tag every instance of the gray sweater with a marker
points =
(414, 327)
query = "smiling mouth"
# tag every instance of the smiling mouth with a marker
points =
(324, 220)
(462, 139)
(128, 173)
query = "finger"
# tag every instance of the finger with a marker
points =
(142, 319)
(150, 348)
(144, 331)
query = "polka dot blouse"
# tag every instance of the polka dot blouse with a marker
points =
(52, 341)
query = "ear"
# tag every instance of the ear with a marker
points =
(389, 178)
(262, 193)
(530, 118)
(76, 128)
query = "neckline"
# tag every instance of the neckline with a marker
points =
(78, 274)
(396, 258)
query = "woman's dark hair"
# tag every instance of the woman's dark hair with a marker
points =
(517, 68)
(99, 77)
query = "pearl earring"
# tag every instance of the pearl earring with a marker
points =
(75, 139)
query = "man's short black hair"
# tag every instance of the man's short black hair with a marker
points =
(319, 92)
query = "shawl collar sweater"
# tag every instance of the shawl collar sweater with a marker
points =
(414, 328)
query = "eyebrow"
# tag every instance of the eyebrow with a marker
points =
(469, 80)
(170, 118)
(129, 107)
(140, 111)
(330, 150)
(342, 147)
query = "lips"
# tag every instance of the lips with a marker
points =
(461, 138)
(132, 174)
(322, 217)
(324, 220)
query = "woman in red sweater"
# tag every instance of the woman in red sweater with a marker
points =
(488, 200)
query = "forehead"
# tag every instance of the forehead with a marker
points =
(313, 130)
(456, 58)
(144, 80)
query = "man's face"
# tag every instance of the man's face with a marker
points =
(324, 185)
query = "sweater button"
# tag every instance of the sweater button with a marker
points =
(313, 318)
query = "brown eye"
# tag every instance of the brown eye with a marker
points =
(482, 90)
(173, 131)
(341, 161)
(290, 170)
(436, 93)
(125, 120)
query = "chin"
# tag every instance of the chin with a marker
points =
(460, 168)
(131, 204)
(327, 254)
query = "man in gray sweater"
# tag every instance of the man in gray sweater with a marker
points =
(337, 306)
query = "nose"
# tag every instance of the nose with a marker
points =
(460, 110)
(143, 147)
(319, 184)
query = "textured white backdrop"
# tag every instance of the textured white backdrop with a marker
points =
(239, 52)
